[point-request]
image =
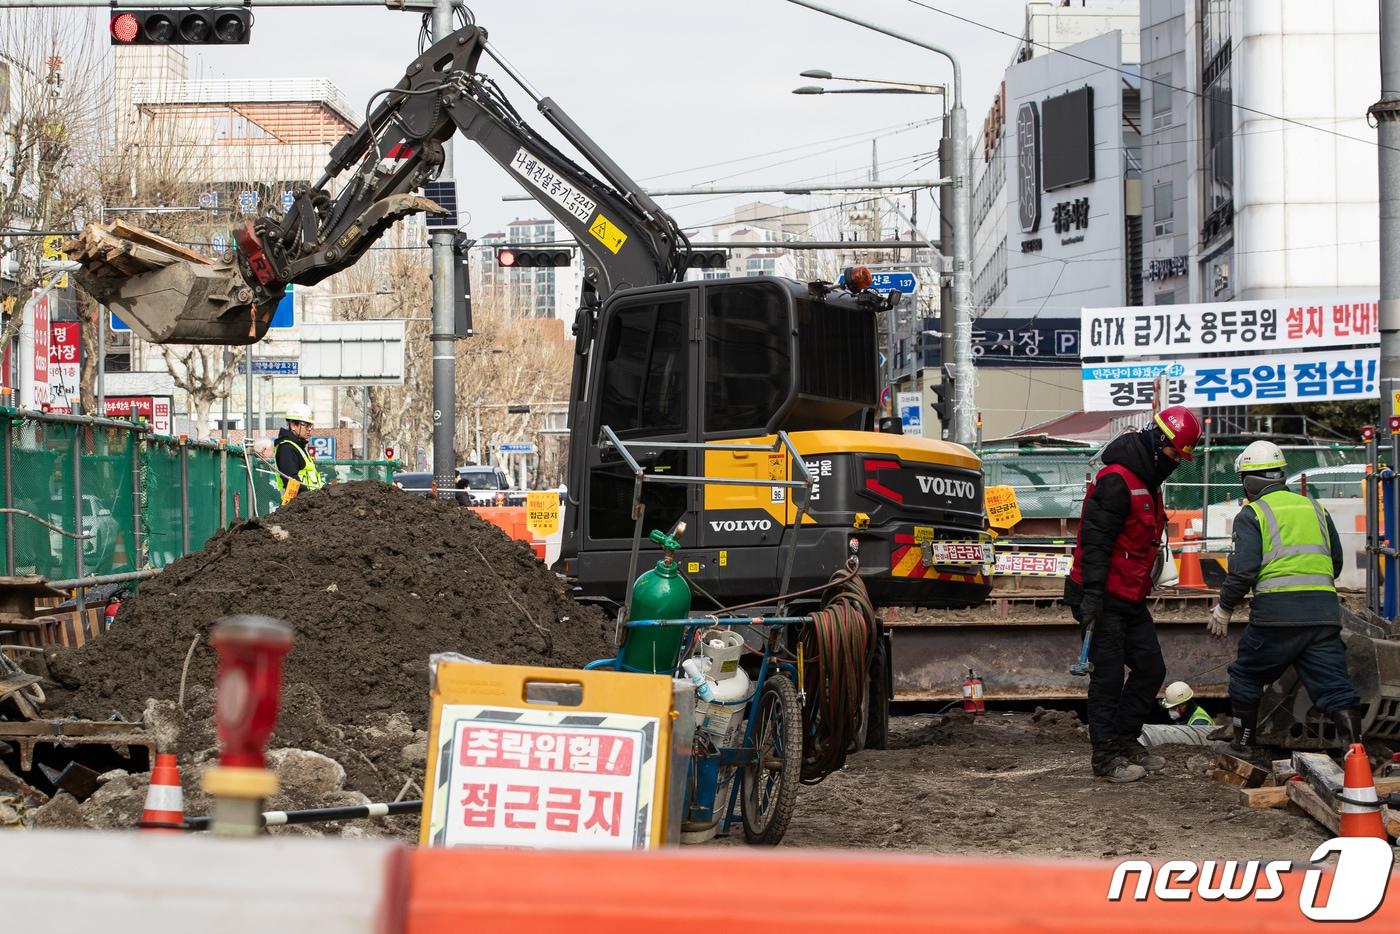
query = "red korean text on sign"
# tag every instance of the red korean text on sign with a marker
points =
(503, 748)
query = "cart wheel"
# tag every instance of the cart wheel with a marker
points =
(769, 791)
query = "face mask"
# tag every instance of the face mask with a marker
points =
(1175, 712)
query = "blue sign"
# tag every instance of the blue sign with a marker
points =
(273, 367)
(117, 323)
(323, 446)
(288, 199)
(248, 202)
(285, 316)
(905, 282)
(517, 447)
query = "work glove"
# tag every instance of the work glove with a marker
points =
(1219, 623)
(1090, 612)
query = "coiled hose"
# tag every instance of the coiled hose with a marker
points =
(837, 648)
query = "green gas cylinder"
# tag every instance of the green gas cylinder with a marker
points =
(660, 593)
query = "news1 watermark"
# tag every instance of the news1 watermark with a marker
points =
(1358, 883)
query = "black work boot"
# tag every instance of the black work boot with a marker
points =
(1246, 724)
(1348, 723)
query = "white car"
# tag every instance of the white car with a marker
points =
(1342, 482)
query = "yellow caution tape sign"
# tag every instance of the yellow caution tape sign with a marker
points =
(1003, 511)
(542, 513)
(607, 233)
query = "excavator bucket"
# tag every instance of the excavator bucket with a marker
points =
(166, 293)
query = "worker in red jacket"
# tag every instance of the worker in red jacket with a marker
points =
(1120, 531)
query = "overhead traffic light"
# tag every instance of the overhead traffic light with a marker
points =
(707, 259)
(516, 258)
(216, 26)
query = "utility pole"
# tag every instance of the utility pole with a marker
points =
(1387, 114)
(444, 358)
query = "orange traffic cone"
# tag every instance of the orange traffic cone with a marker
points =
(165, 801)
(1361, 808)
(1189, 577)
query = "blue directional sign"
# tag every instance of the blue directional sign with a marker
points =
(285, 315)
(272, 367)
(905, 282)
(117, 323)
(517, 447)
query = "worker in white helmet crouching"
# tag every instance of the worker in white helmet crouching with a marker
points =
(1190, 726)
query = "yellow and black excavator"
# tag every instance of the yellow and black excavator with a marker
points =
(674, 380)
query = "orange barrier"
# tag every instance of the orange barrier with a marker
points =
(1189, 577)
(814, 892)
(510, 519)
(165, 800)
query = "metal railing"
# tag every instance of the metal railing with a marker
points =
(607, 438)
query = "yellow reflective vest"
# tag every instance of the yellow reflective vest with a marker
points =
(309, 477)
(1297, 553)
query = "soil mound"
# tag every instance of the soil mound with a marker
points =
(373, 580)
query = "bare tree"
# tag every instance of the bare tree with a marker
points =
(53, 109)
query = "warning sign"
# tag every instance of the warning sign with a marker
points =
(542, 513)
(540, 781)
(1003, 511)
(606, 233)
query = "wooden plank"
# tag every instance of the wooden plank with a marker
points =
(1228, 778)
(1305, 797)
(1283, 770)
(1387, 786)
(1253, 776)
(1273, 796)
(1319, 771)
(128, 232)
(1391, 821)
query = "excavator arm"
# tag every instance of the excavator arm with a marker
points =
(172, 296)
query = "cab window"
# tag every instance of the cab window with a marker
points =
(645, 371)
(748, 357)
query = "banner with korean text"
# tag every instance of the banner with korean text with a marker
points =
(1228, 327)
(1311, 376)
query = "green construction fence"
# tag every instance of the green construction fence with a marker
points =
(137, 500)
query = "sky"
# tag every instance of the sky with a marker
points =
(679, 94)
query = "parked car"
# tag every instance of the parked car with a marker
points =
(414, 481)
(101, 525)
(1341, 482)
(487, 486)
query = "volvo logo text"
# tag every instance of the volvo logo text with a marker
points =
(741, 525)
(942, 486)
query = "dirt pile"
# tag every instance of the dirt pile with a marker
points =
(373, 580)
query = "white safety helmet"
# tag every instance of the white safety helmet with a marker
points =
(1260, 456)
(299, 412)
(1178, 693)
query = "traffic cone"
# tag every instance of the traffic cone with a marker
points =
(1190, 577)
(1361, 808)
(165, 801)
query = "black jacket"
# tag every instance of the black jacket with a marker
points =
(1289, 608)
(1107, 510)
(289, 462)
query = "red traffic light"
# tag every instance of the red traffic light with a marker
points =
(505, 257)
(124, 28)
(388, 454)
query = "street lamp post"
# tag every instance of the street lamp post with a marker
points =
(884, 87)
(955, 133)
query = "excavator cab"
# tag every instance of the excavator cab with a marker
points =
(696, 380)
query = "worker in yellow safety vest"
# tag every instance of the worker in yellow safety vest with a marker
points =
(1287, 551)
(1190, 726)
(296, 467)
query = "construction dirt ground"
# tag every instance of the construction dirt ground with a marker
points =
(374, 581)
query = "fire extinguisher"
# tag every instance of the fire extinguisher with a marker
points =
(972, 694)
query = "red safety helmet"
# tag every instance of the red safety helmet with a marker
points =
(1182, 428)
